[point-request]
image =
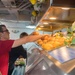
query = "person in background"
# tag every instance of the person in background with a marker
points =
(16, 53)
(6, 44)
(28, 45)
(25, 46)
(23, 34)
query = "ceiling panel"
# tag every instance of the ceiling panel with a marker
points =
(19, 9)
(1, 4)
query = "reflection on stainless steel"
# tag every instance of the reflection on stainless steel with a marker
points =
(66, 67)
(46, 64)
(41, 63)
(72, 72)
(52, 26)
(32, 58)
(41, 67)
(63, 18)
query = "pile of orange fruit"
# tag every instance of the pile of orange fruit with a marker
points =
(49, 43)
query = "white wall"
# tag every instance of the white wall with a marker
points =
(19, 26)
(16, 35)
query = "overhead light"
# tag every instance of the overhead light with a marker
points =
(41, 26)
(31, 27)
(53, 18)
(45, 23)
(65, 8)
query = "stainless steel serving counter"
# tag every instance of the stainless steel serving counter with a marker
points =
(41, 62)
(67, 67)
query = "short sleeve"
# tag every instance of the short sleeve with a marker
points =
(5, 46)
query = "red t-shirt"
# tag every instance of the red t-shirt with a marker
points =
(5, 47)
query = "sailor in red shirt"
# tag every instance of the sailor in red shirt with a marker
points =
(6, 45)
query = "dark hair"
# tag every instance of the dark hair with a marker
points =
(23, 34)
(1, 29)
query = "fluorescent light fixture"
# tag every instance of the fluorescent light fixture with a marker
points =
(53, 18)
(45, 23)
(31, 27)
(65, 8)
(41, 26)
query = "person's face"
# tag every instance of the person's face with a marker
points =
(5, 33)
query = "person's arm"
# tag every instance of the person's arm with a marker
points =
(26, 39)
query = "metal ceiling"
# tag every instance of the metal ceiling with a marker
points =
(15, 9)
(18, 10)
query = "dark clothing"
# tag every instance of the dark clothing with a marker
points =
(13, 55)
